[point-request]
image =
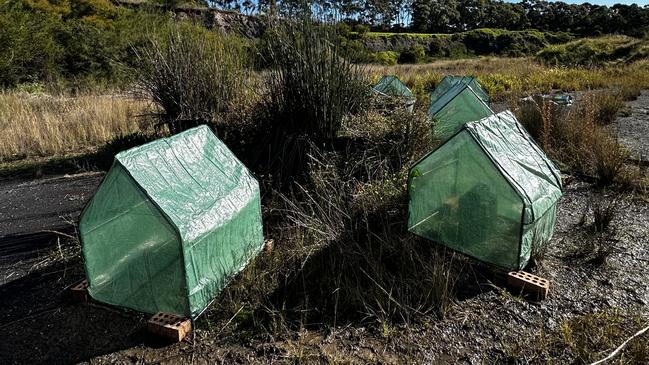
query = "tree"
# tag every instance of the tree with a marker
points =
(421, 15)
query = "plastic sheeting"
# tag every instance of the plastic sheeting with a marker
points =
(488, 191)
(457, 106)
(451, 80)
(173, 221)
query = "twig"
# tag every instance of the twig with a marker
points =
(230, 320)
(33, 315)
(59, 233)
(621, 347)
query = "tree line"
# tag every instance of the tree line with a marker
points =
(447, 16)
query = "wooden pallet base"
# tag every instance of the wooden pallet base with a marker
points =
(169, 326)
(525, 282)
(79, 291)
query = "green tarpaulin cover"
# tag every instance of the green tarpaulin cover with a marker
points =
(489, 192)
(459, 105)
(171, 223)
(452, 80)
(390, 85)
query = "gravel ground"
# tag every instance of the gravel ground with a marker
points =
(31, 210)
(39, 323)
(633, 130)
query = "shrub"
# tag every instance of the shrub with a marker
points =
(414, 54)
(194, 75)
(445, 46)
(361, 29)
(387, 58)
(29, 50)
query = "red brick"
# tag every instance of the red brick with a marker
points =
(80, 291)
(169, 326)
(525, 282)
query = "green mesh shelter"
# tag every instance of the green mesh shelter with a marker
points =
(171, 223)
(459, 105)
(488, 191)
(391, 86)
(452, 80)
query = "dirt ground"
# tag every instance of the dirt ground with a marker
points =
(32, 211)
(39, 324)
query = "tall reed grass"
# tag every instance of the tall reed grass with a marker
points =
(193, 75)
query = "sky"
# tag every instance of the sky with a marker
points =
(601, 2)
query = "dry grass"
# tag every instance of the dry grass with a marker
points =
(586, 338)
(580, 139)
(41, 125)
(507, 78)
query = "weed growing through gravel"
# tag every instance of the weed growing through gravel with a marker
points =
(587, 338)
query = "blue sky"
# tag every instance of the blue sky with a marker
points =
(602, 2)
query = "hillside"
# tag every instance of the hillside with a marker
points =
(596, 51)
(392, 48)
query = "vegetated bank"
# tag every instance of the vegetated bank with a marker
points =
(596, 51)
(393, 48)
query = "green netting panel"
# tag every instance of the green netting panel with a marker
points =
(537, 235)
(233, 254)
(451, 80)
(520, 159)
(456, 107)
(132, 254)
(196, 186)
(390, 85)
(489, 192)
(459, 199)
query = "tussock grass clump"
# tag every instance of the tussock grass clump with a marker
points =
(311, 85)
(43, 125)
(608, 104)
(355, 209)
(578, 138)
(310, 88)
(597, 242)
(342, 249)
(192, 74)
